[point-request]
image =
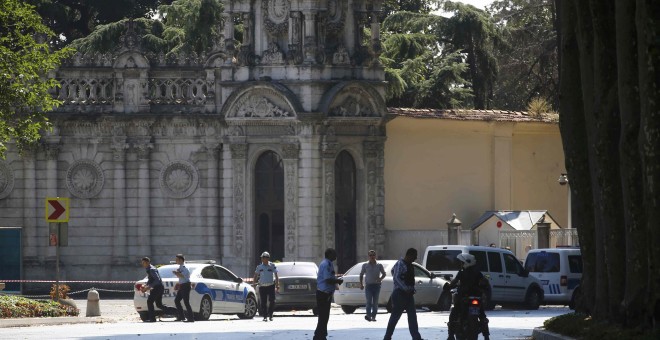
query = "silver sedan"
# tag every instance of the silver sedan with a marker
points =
(428, 287)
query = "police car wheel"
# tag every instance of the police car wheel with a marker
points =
(250, 308)
(348, 309)
(144, 316)
(205, 309)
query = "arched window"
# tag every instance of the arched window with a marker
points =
(345, 209)
(269, 205)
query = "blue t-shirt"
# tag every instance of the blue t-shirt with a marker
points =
(326, 271)
(185, 274)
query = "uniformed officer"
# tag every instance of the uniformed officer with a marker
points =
(266, 277)
(326, 283)
(184, 289)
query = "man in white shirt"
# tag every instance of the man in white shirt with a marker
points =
(266, 277)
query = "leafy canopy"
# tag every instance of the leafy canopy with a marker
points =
(24, 65)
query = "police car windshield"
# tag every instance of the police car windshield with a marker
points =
(542, 262)
(297, 269)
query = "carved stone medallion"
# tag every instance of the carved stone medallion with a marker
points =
(84, 179)
(6, 180)
(276, 16)
(179, 179)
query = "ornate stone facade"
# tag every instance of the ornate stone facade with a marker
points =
(176, 139)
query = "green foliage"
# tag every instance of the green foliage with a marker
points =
(73, 19)
(528, 57)
(420, 70)
(581, 326)
(185, 25)
(24, 66)
(20, 307)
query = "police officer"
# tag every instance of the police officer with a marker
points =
(184, 289)
(266, 277)
(326, 283)
(155, 286)
(469, 281)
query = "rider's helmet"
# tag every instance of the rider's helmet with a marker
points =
(468, 259)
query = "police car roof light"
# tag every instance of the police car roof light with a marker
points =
(197, 261)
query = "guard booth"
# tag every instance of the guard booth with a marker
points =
(10, 258)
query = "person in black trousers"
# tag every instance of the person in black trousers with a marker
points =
(155, 286)
(326, 283)
(184, 290)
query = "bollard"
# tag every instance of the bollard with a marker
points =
(93, 307)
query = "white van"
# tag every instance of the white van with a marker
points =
(560, 272)
(509, 282)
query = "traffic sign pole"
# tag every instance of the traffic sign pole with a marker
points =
(57, 266)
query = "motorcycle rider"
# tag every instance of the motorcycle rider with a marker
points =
(469, 281)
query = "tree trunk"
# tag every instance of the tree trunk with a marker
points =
(574, 140)
(630, 165)
(648, 50)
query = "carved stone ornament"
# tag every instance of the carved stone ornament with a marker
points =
(341, 57)
(290, 151)
(273, 55)
(353, 107)
(335, 21)
(84, 179)
(6, 180)
(179, 179)
(260, 108)
(276, 15)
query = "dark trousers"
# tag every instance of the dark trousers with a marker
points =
(323, 301)
(156, 295)
(400, 301)
(184, 293)
(267, 299)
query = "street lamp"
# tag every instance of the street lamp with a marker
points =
(563, 180)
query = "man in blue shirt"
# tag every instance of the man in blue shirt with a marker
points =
(265, 275)
(326, 283)
(403, 296)
(156, 288)
(184, 290)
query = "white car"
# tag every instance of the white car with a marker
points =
(560, 273)
(428, 287)
(215, 290)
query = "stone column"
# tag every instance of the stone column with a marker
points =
(143, 149)
(238, 156)
(119, 239)
(329, 152)
(454, 230)
(290, 153)
(310, 37)
(374, 159)
(31, 244)
(212, 205)
(52, 149)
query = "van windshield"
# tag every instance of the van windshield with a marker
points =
(542, 262)
(443, 260)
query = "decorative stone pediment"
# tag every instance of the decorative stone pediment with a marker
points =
(352, 99)
(266, 101)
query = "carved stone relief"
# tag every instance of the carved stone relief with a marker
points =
(85, 178)
(273, 55)
(290, 151)
(291, 204)
(335, 21)
(6, 180)
(260, 107)
(276, 15)
(329, 185)
(238, 165)
(341, 57)
(353, 106)
(179, 179)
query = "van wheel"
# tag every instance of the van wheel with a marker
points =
(574, 298)
(533, 299)
(348, 309)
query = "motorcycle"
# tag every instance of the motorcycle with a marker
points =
(467, 324)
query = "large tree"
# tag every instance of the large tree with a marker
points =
(527, 60)
(73, 19)
(610, 127)
(25, 60)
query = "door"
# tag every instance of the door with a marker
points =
(269, 206)
(345, 208)
(10, 257)
(515, 283)
(495, 276)
(234, 295)
(426, 290)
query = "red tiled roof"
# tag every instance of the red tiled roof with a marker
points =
(483, 115)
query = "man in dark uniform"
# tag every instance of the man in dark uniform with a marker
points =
(469, 281)
(155, 286)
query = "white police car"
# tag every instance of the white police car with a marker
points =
(560, 273)
(215, 290)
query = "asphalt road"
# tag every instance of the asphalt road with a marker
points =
(120, 321)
